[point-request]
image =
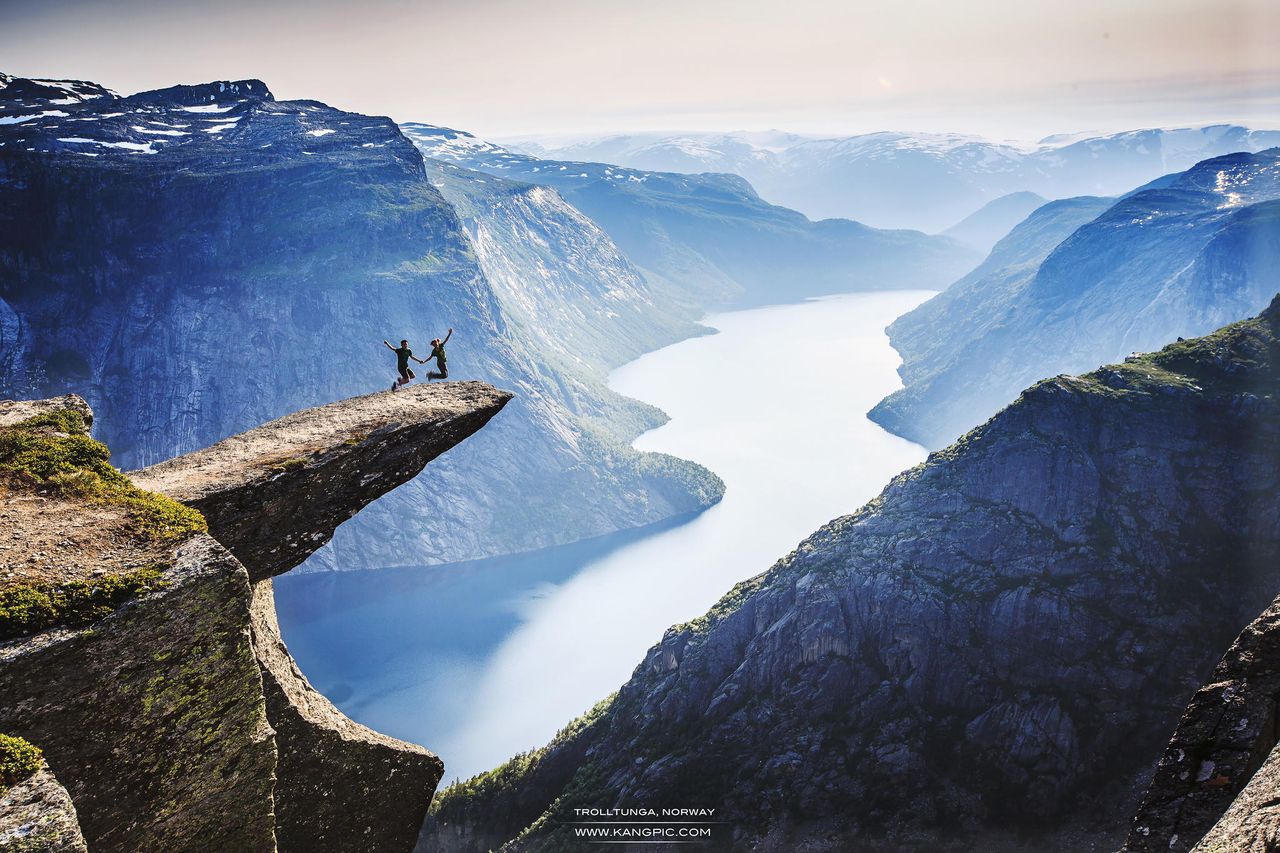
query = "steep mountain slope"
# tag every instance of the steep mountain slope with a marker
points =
(983, 228)
(922, 180)
(198, 259)
(712, 233)
(1177, 259)
(1010, 264)
(986, 656)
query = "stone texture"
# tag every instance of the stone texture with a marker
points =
(1226, 734)
(37, 816)
(273, 495)
(1252, 823)
(340, 786)
(153, 717)
(276, 493)
(996, 645)
(16, 411)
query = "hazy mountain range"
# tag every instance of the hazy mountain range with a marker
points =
(927, 181)
(711, 235)
(1088, 280)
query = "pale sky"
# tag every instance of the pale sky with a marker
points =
(1005, 68)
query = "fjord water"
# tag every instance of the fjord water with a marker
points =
(479, 661)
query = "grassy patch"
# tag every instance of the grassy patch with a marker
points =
(28, 608)
(510, 780)
(53, 453)
(18, 761)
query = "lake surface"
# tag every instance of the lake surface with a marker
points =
(481, 660)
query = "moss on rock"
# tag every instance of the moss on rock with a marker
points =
(54, 453)
(28, 608)
(18, 760)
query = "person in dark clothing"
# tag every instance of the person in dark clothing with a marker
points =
(403, 354)
(437, 352)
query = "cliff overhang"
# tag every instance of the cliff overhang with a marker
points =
(177, 719)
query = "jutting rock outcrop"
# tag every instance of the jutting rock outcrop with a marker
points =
(273, 495)
(989, 655)
(148, 667)
(1219, 778)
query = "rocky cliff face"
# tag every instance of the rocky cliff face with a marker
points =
(712, 233)
(936, 335)
(1179, 258)
(993, 648)
(171, 710)
(201, 259)
(1216, 786)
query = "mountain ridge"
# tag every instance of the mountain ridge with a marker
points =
(1178, 258)
(927, 181)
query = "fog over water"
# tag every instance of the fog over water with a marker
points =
(481, 660)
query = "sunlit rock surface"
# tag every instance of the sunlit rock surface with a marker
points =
(276, 493)
(37, 816)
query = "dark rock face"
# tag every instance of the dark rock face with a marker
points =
(339, 786)
(996, 643)
(199, 260)
(37, 816)
(1180, 257)
(1226, 734)
(276, 493)
(713, 233)
(153, 717)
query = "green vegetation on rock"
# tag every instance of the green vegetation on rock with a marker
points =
(54, 453)
(509, 778)
(18, 760)
(28, 608)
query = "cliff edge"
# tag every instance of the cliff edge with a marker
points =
(142, 657)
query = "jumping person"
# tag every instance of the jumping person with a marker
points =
(403, 354)
(437, 352)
